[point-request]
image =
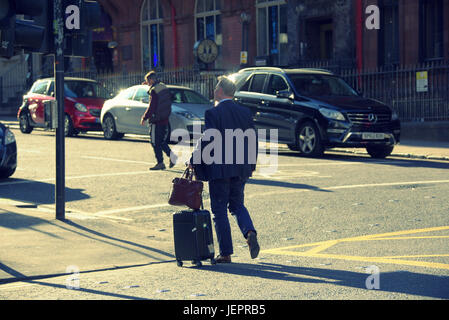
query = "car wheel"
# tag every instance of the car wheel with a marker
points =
(68, 126)
(6, 173)
(109, 129)
(309, 140)
(24, 123)
(379, 151)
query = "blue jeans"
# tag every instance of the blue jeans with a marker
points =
(224, 194)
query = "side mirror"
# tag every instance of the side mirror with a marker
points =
(145, 100)
(284, 94)
(52, 94)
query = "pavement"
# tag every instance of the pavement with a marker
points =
(35, 245)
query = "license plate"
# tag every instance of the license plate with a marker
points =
(373, 136)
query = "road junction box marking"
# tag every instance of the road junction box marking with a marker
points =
(317, 249)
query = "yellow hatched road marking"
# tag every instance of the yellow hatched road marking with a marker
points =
(318, 247)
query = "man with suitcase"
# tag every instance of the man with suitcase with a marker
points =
(227, 179)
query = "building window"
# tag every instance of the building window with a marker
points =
(152, 35)
(272, 36)
(432, 42)
(389, 35)
(208, 23)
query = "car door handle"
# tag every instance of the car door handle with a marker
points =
(265, 103)
(127, 109)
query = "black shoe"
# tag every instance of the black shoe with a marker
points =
(253, 245)
(172, 164)
(159, 166)
(223, 259)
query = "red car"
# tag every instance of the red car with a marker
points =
(84, 99)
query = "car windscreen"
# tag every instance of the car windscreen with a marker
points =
(85, 89)
(188, 96)
(321, 85)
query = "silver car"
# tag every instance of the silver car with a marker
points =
(122, 114)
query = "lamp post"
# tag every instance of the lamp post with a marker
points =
(245, 19)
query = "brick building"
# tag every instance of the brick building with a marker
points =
(162, 33)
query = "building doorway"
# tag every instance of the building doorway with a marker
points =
(320, 39)
(102, 57)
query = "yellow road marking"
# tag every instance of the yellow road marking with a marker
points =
(318, 247)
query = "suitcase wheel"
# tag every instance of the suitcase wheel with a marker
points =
(197, 263)
(179, 263)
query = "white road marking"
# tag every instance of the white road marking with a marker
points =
(354, 186)
(161, 205)
(82, 177)
(114, 211)
(109, 213)
(118, 160)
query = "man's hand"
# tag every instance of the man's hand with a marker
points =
(142, 121)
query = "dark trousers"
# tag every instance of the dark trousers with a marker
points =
(159, 140)
(229, 194)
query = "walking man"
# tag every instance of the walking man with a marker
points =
(157, 113)
(227, 180)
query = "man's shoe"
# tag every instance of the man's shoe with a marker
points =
(159, 166)
(253, 245)
(172, 164)
(223, 259)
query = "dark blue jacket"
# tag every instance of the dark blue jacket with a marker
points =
(237, 133)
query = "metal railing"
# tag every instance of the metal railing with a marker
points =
(13, 81)
(416, 93)
(203, 82)
(399, 87)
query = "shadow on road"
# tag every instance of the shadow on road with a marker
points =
(405, 282)
(36, 192)
(390, 161)
(282, 184)
(120, 242)
(35, 281)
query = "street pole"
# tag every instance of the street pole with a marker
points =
(59, 94)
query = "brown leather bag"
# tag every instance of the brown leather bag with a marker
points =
(186, 191)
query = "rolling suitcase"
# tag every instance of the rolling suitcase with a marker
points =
(193, 237)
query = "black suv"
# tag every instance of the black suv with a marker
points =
(313, 109)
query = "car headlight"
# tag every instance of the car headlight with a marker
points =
(394, 115)
(187, 115)
(9, 137)
(332, 114)
(80, 107)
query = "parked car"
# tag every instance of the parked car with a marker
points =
(8, 152)
(313, 109)
(83, 101)
(122, 114)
